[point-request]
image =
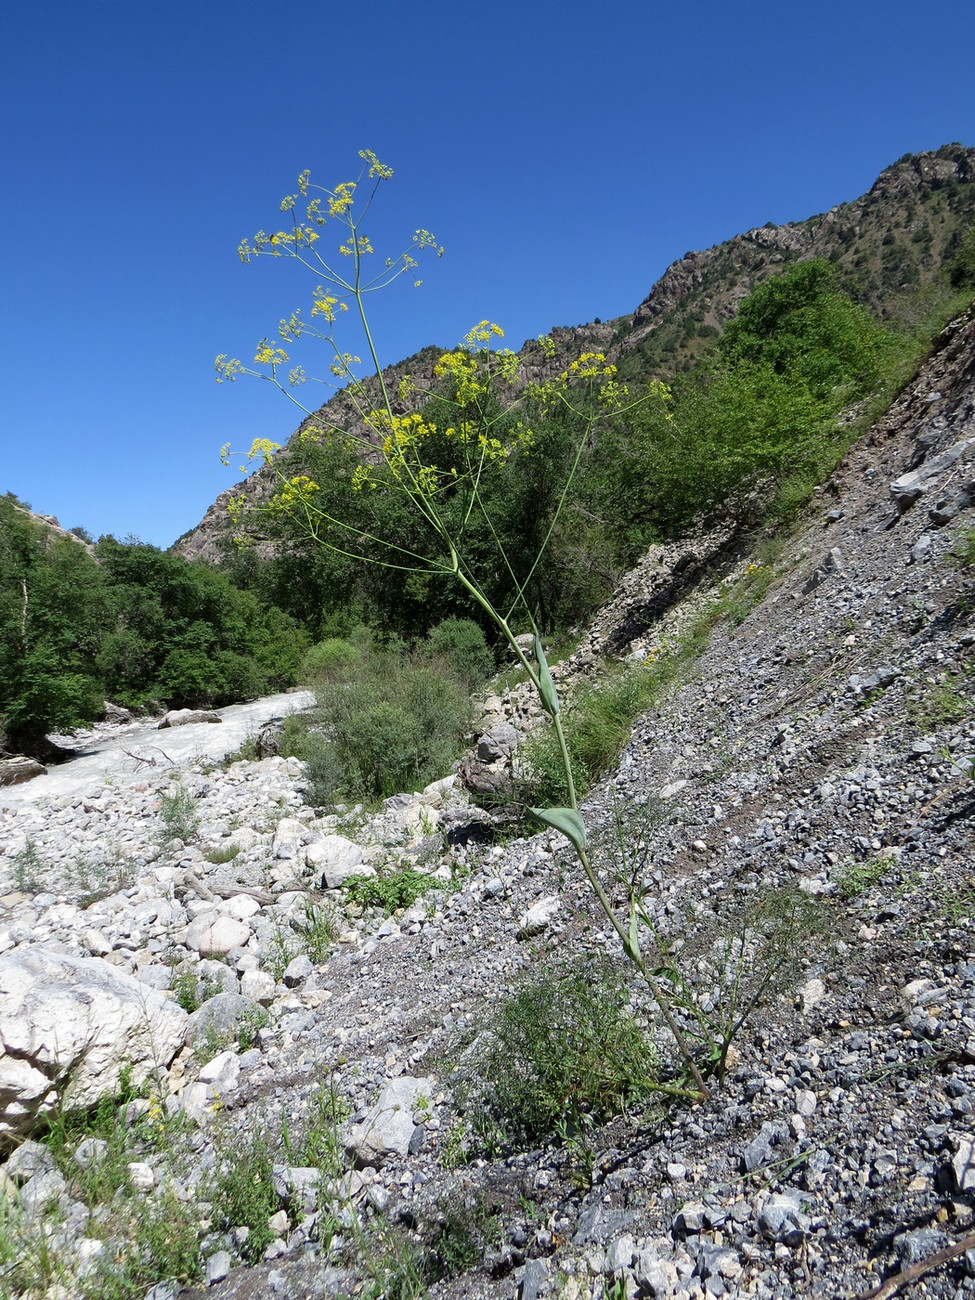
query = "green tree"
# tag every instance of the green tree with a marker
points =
(52, 611)
(800, 324)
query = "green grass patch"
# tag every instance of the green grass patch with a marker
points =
(598, 721)
(854, 878)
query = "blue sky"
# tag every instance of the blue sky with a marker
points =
(563, 156)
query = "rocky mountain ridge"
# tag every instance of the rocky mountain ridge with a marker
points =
(822, 744)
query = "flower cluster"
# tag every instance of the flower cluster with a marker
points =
(294, 493)
(464, 370)
(591, 365)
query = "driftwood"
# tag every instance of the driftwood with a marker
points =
(146, 760)
(230, 889)
(900, 1280)
(224, 889)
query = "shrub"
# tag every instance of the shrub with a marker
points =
(461, 643)
(389, 722)
(563, 1046)
(177, 813)
(328, 659)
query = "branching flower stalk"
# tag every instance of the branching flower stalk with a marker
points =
(429, 464)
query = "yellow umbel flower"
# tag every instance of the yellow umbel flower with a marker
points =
(266, 355)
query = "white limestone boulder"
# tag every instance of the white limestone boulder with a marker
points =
(69, 1027)
(213, 934)
(337, 859)
(187, 717)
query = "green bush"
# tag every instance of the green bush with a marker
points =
(245, 1197)
(328, 659)
(564, 1046)
(388, 722)
(177, 815)
(390, 892)
(460, 642)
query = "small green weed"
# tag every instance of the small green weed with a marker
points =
(246, 753)
(964, 550)
(161, 1243)
(390, 892)
(281, 947)
(748, 951)
(458, 1237)
(183, 988)
(854, 878)
(220, 855)
(318, 931)
(245, 1196)
(249, 1026)
(29, 869)
(178, 816)
(939, 705)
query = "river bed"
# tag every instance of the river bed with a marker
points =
(126, 752)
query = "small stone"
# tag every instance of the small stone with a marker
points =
(142, 1176)
(279, 1223)
(88, 1152)
(214, 934)
(222, 1073)
(691, 1218)
(805, 1102)
(298, 969)
(538, 917)
(258, 985)
(963, 1162)
(217, 1267)
(913, 1247)
(32, 1158)
(619, 1254)
(812, 993)
(781, 1220)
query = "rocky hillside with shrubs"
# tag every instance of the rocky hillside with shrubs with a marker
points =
(889, 248)
(257, 1046)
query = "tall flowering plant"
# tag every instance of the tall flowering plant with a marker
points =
(427, 463)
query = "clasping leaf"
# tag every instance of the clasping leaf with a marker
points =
(546, 687)
(566, 820)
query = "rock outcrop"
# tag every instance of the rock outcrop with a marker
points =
(71, 1028)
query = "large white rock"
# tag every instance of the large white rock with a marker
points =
(289, 835)
(214, 934)
(69, 1026)
(337, 858)
(240, 905)
(186, 717)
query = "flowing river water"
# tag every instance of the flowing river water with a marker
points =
(126, 752)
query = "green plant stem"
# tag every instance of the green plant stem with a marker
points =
(655, 990)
